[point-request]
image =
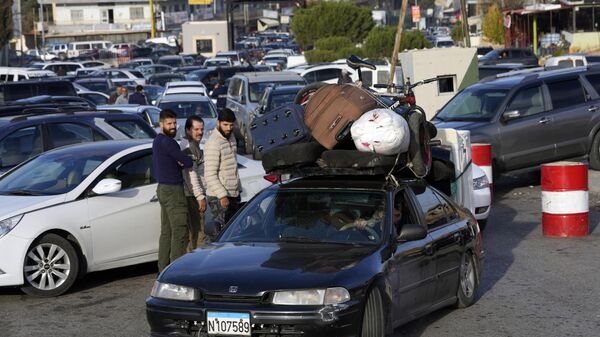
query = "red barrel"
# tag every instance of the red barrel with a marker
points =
(565, 205)
(481, 155)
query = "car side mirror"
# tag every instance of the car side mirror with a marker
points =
(106, 186)
(508, 115)
(411, 232)
(211, 228)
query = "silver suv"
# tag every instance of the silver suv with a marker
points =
(246, 89)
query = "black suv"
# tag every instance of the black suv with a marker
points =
(509, 55)
(531, 118)
(23, 136)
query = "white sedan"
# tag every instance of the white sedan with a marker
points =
(84, 208)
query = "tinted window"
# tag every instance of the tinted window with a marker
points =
(62, 134)
(383, 76)
(186, 109)
(95, 98)
(133, 173)
(402, 213)
(281, 99)
(257, 89)
(310, 77)
(328, 74)
(595, 81)
(528, 101)
(566, 93)
(20, 146)
(133, 129)
(432, 208)
(449, 210)
(136, 73)
(473, 103)
(367, 77)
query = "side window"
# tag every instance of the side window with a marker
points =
(402, 213)
(327, 74)
(20, 146)
(567, 93)
(62, 134)
(367, 77)
(593, 79)
(234, 88)
(133, 173)
(528, 101)
(21, 78)
(383, 76)
(131, 128)
(310, 77)
(451, 213)
(433, 210)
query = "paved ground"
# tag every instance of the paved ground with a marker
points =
(532, 285)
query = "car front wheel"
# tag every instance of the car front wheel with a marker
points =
(50, 267)
(373, 324)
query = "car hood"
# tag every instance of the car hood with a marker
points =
(11, 205)
(459, 125)
(255, 268)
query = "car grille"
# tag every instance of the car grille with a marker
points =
(228, 298)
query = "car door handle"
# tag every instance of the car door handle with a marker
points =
(429, 249)
(544, 121)
(592, 108)
(154, 199)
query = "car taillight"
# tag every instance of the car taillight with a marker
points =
(409, 100)
(272, 178)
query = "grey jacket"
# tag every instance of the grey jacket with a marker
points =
(221, 167)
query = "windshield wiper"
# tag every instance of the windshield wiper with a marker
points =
(22, 192)
(298, 239)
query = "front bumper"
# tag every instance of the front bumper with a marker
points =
(173, 318)
(482, 202)
(13, 250)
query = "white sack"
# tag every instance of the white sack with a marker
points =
(381, 131)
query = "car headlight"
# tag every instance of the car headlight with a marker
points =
(7, 225)
(481, 182)
(174, 292)
(312, 296)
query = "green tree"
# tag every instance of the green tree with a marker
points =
(457, 32)
(493, 25)
(29, 14)
(6, 22)
(327, 19)
(380, 41)
(334, 43)
(332, 48)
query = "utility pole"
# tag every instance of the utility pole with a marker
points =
(397, 45)
(465, 23)
(152, 27)
(42, 23)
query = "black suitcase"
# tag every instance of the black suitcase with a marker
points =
(281, 126)
(292, 156)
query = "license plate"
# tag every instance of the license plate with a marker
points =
(228, 323)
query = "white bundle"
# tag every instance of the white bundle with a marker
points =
(381, 131)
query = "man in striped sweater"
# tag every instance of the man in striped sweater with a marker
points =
(220, 169)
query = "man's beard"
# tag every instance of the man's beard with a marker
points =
(225, 134)
(170, 132)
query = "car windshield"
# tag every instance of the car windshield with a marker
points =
(310, 215)
(172, 62)
(280, 99)
(186, 109)
(51, 173)
(257, 89)
(478, 104)
(216, 63)
(152, 93)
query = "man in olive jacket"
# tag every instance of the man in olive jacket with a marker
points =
(223, 185)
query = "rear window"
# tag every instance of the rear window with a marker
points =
(132, 129)
(566, 93)
(15, 91)
(257, 89)
(136, 73)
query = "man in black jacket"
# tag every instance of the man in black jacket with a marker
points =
(138, 96)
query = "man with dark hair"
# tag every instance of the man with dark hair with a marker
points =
(194, 183)
(113, 97)
(138, 96)
(168, 161)
(220, 169)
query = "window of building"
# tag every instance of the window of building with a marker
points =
(77, 15)
(446, 84)
(567, 93)
(136, 13)
(204, 46)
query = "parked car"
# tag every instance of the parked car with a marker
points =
(152, 92)
(218, 62)
(136, 62)
(60, 50)
(483, 50)
(153, 69)
(163, 79)
(148, 113)
(485, 71)
(531, 118)
(121, 76)
(234, 56)
(42, 54)
(96, 97)
(30, 88)
(246, 89)
(185, 105)
(305, 266)
(509, 55)
(14, 74)
(22, 137)
(185, 87)
(104, 85)
(273, 98)
(443, 42)
(94, 64)
(566, 61)
(85, 208)
(63, 68)
(172, 61)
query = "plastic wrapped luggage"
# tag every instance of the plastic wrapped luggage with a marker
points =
(333, 108)
(281, 126)
(381, 131)
(292, 156)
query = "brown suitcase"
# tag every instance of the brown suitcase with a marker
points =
(333, 108)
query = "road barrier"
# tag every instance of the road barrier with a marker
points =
(565, 205)
(481, 155)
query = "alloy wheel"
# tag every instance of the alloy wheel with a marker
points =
(47, 266)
